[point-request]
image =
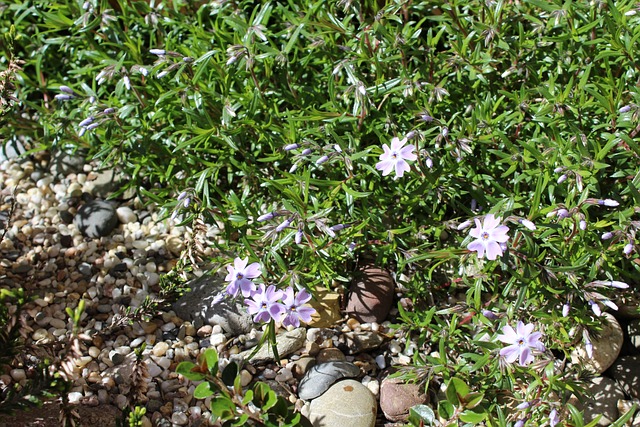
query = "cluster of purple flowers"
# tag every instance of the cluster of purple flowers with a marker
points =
(267, 303)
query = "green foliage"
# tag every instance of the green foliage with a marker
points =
(527, 110)
(231, 404)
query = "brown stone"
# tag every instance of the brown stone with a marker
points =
(327, 306)
(371, 295)
(396, 398)
(330, 355)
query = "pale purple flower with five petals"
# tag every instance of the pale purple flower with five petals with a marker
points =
(264, 304)
(395, 158)
(488, 237)
(523, 341)
(239, 277)
(294, 308)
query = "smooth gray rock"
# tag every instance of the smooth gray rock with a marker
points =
(64, 163)
(626, 371)
(286, 342)
(12, 149)
(197, 306)
(346, 403)
(320, 377)
(96, 219)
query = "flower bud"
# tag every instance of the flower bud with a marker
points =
(523, 405)
(426, 118)
(558, 169)
(92, 126)
(283, 225)
(352, 246)
(290, 147)
(322, 160)
(298, 237)
(628, 248)
(608, 202)
(588, 346)
(428, 162)
(489, 314)
(86, 122)
(67, 90)
(563, 213)
(625, 109)
(267, 217)
(63, 97)
(306, 152)
(528, 224)
(607, 235)
(595, 308)
(445, 131)
(562, 178)
(157, 52)
(127, 82)
(411, 134)
(565, 309)
(109, 110)
(582, 224)
(464, 225)
(186, 202)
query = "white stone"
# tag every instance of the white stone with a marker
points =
(126, 215)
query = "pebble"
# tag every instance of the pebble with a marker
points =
(160, 349)
(18, 374)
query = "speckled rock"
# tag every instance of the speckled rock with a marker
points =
(371, 295)
(626, 371)
(197, 306)
(96, 219)
(605, 394)
(346, 403)
(606, 348)
(286, 342)
(397, 397)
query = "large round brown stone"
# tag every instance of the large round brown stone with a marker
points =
(371, 295)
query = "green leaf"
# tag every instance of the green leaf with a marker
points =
(203, 390)
(446, 409)
(185, 369)
(469, 416)
(229, 374)
(422, 413)
(211, 357)
(222, 407)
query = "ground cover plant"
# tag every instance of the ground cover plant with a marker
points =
(483, 151)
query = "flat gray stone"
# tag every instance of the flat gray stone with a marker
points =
(346, 403)
(320, 377)
(605, 394)
(12, 149)
(96, 219)
(64, 163)
(359, 341)
(626, 371)
(286, 343)
(197, 306)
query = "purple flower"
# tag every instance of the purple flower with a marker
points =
(607, 235)
(337, 227)
(563, 213)
(239, 275)
(182, 196)
(290, 147)
(395, 158)
(298, 237)
(109, 110)
(294, 310)
(488, 237)
(264, 305)
(306, 152)
(558, 169)
(519, 423)
(522, 343)
(562, 178)
(582, 224)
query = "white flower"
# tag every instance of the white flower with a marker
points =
(395, 158)
(488, 237)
